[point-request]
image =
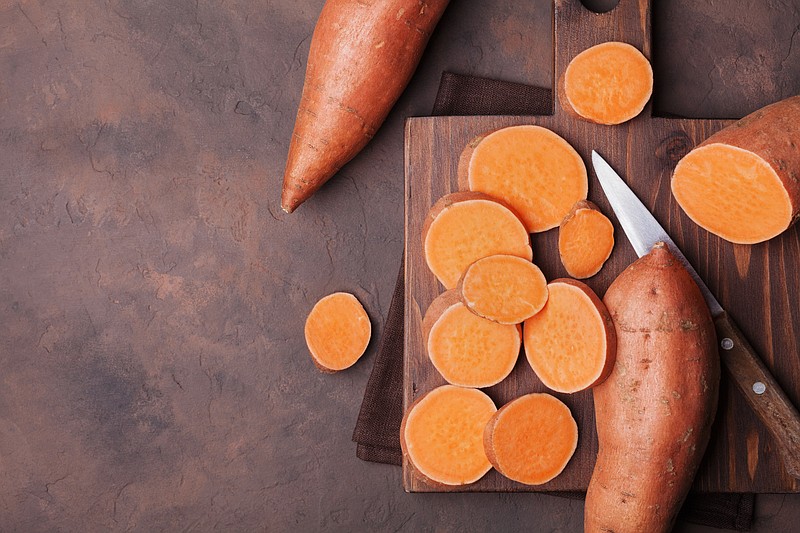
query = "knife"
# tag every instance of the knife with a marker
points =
(763, 393)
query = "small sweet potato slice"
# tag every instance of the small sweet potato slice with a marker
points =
(466, 226)
(585, 240)
(534, 170)
(337, 332)
(609, 83)
(503, 288)
(466, 349)
(570, 343)
(531, 439)
(442, 435)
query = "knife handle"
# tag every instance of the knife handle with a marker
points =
(763, 393)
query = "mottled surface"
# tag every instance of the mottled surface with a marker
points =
(152, 293)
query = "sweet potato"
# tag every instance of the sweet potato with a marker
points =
(362, 56)
(531, 439)
(655, 410)
(503, 288)
(585, 240)
(531, 168)
(570, 343)
(466, 349)
(337, 332)
(609, 83)
(442, 435)
(466, 226)
(743, 182)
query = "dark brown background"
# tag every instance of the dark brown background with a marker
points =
(152, 293)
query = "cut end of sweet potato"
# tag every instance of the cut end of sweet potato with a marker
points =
(442, 435)
(585, 240)
(337, 332)
(608, 84)
(733, 193)
(464, 227)
(503, 288)
(531, 439)
(466, 349)
(530, 168)
(571, 342)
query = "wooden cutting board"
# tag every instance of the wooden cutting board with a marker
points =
(758, 285)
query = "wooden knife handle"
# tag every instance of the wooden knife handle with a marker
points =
(763, 393)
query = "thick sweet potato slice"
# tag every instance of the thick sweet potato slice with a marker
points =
(531, 439)
(742, 183)
(337, 331)
(585, 240)
(466, 349)
(531, 168)
(570, 343)
(466, 226)
(608, 84)
(503, 288)
(442, 435)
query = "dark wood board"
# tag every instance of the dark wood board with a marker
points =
(758, 285)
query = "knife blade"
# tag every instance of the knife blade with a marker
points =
(762, 391)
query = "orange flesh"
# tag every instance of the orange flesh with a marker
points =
(337, 331)
(733, 193)
(585, 241)
(532, 169)
(471, 351)
(443, 435)
(565, 342)
(609, 83)
(469, 230)
(504, 288)
(532, 439)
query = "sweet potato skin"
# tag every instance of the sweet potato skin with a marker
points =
(773, 134)
(362, 56)
(654, 412)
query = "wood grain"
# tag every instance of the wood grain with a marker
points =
(758, 285)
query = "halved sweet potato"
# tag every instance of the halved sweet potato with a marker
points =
(531, 439)
(466, 226)
(585, 240)
(337, 331)
(609, 83)
(531, 168)
(742, 183)
(571, 343)
(466, 349)
(503, 288)
(442, 435)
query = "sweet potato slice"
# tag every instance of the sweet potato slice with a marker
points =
(609, 83)
(742, 183)
(337, 332)
(529, 167)
(466, 349)
(570, 343)
(442, 435)
(503, 288)
(466, 226)
(531, 439)
(585, 240)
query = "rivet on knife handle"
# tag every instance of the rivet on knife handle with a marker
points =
(762, 392)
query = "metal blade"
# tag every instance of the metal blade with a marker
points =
(640, 226)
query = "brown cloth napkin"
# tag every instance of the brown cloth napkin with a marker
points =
(377, 432)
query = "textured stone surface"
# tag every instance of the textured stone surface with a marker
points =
(152, 294)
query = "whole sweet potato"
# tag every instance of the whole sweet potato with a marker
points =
(654, 412)
(362, 56)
